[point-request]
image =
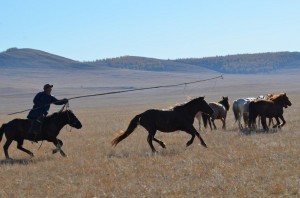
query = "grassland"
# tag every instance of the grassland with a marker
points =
(233, 165)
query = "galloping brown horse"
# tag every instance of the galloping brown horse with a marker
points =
(18, 130)
(180, 117)
(272, 108)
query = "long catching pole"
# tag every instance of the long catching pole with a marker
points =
(128, 90)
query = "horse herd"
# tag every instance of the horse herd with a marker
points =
(181, 118)
(178, 118)
(268, 106)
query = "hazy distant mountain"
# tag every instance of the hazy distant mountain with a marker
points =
(248, 63)
(234, 64)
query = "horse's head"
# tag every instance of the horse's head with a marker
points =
(202, 106)
(225, 102)
(72, 119)
(282, 99)
(286, 100)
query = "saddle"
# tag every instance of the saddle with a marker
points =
(36, 127)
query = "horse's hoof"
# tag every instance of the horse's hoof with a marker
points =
(203, 144)
(163, 145)
(63, 154)
(54, 151)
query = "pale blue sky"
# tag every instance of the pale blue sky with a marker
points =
(96, 29)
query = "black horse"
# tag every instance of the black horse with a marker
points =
(180, 117)
(18, 130)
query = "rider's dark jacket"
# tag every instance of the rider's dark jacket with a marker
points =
(42, 103)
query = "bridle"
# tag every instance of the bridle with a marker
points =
(67, 107)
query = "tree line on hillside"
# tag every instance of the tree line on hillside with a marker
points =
(248, 63)
(241, 63)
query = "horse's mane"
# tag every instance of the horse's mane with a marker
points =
(54, 115)
(183, 105)
(277, 97)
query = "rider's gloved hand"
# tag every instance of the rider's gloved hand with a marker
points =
(65, 100)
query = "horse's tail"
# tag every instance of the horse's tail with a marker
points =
(235, 111)
(2, 131)
(205, 118)
(123, 134)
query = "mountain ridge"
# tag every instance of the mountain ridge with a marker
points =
(267, 62)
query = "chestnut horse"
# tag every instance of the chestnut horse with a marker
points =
(272, 108)
(179, 118)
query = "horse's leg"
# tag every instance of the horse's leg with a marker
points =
(239, 121)
(259, 121)
(283, 121)
(246, 120)
(5, 147)
(271, 122)
(277, 122)
(60, 150)
(223, 123)
(191, 130)
(199, 117)
(150, 139)
(264, 123)
(161, 143)
(20, 147)
(191, 140)
(250, 123)
(213, 121)
(58, 143)
(209, 122)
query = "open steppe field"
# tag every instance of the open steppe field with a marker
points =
(233, 165)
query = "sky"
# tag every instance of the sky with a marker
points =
(167, 29)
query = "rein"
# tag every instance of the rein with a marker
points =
(67, 108)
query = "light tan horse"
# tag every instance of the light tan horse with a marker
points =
(220, 112)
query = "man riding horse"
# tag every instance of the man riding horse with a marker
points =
(41, 106)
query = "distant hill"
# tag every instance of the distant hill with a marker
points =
(31, 58)
(149, 64)
(231, 64)
(248, 63)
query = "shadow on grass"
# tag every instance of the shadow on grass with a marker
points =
(12, 162)
(247, 131)
(168, 152)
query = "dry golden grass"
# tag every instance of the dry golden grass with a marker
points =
(233, 165)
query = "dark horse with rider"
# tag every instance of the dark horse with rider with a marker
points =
(39, 126)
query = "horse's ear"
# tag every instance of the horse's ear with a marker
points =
(202, 97)
(284, 94)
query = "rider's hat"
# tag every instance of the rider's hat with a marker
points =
(47, 86)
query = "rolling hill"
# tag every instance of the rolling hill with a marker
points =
(31, 58)
(231, 64)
